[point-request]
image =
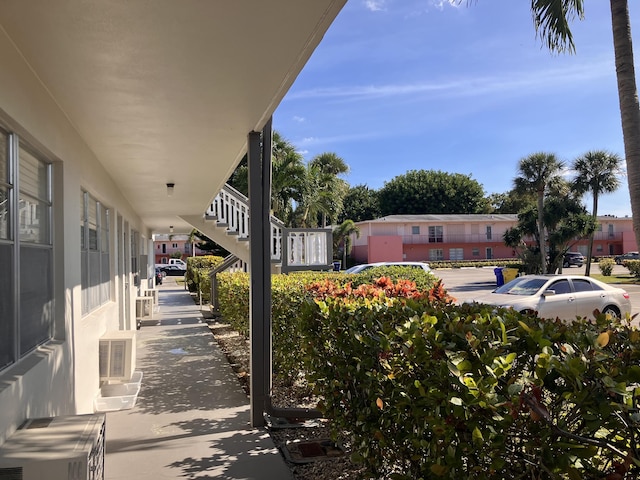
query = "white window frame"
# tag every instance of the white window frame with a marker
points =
(436, 234)
(95, 255)
(456, 253)
(436, 254)
(27, 300)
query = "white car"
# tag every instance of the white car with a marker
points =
(367, 266)
(560, 296)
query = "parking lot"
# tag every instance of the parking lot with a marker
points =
(469, 283)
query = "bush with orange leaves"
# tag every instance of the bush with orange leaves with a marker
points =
(428, 389)
(383, 287)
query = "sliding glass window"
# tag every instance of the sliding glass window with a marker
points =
(36, 250)
(94, 235)
(7, 280)
(26, 249)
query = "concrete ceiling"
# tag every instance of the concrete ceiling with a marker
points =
(167, 90)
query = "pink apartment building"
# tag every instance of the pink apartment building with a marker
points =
(466, 237)
(165, 247)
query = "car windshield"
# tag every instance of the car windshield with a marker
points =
(522, 286)
(353, 269)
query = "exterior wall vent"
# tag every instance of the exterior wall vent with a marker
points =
(117, 353)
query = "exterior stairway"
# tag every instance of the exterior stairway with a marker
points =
(226, 222)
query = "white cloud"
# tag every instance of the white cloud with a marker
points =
(375, 5)
(441, 4)
(298, 119)
(520, 83)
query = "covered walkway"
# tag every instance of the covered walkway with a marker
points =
(191, 419)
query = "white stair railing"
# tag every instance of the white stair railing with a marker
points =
(306, 248)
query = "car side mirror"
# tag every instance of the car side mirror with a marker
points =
(548, 293)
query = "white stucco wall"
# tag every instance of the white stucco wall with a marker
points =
(61, 378)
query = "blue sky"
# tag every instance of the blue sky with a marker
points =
(400, 85)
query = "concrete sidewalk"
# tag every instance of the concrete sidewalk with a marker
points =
(191, 419)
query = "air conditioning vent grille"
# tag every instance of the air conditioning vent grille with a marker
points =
(118, 348)
(67, 448)
(39, 423)
(11, 473)
(116, 355)
(96, 457)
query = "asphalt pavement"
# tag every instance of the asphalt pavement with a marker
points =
(470, 283)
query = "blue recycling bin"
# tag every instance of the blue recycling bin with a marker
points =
(499, 276)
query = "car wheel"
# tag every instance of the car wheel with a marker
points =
(566, 265)
(611, 310)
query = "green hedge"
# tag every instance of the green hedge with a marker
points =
(633, 266)
(606, 266)
(288, 296)
(197, 275)
(497, 262)
(428, 389)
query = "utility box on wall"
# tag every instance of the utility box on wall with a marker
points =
(56, 448)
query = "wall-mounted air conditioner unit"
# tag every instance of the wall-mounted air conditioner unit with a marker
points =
(117, 356)
(58, 448)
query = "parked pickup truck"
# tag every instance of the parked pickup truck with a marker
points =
(174, 266)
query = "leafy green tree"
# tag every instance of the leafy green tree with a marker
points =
(287, 178)
(510, 202)
(360, 203)
(537, 174)
(207, 245)
(323, 192)
(342, 239)
(551, 19)
(430, 191)
(330, 163)
(331, 166)
(565, 219)
(597, 172)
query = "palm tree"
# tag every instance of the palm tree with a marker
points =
(324, 191)
(330, 163)
(342, 238)
(629, 106)
(287, 177)
(318, 198)
(551, 19)
(538, 173)
(330, 166)
(597, 172)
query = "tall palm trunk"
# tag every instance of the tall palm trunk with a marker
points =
(587, 270)
(629, 105)
(542, 240)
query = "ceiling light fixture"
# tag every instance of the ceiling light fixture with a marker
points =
(170, 188)
(171, 229)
